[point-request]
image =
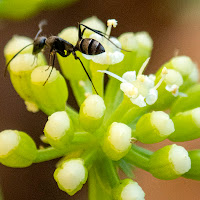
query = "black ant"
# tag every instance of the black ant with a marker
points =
(58, 45)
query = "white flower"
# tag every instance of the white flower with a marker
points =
(140, 89)
(112, 54)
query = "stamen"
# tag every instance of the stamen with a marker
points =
(164, 73)
(110, 23)
(113, 75)
(133, 140)
(143, 66)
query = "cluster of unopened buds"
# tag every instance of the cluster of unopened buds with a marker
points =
(102, 136)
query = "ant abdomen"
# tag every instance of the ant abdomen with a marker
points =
(90, 46)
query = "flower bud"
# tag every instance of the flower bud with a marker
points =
(128, 190)
(71, 68)
(169, 89)
(187, 68)
(194, 172)
(170, 162)
(15, 45)
(92, 112)
(59, 130)
(17, 149)
(116, 143)
(187, 126)
(145, 45)
(189, 102)
(50, 95)
(20, 72)
(71, 176)
(94, 23)
(153, 127)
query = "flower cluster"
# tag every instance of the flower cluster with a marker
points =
(101, 137)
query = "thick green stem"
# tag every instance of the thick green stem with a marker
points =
(113, 96)
(110, 170)
(82, 140)
(138, 157)
(98, 186)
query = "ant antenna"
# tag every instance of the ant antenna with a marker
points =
(41, 24)
(14, 57)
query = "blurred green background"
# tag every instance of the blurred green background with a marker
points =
(173, 25)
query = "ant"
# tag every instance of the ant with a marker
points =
(58, 45)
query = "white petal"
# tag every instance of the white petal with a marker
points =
(113, 75)
(149, 83)
(173, 89)
(152, 96)
(129, 90)
(152, 77)
(139, 101)
(129, 76)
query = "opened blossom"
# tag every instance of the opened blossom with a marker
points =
(140, 89)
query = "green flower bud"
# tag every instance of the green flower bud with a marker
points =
(145, 45)
(116, 143)
(71, 68)
(186, 103)
(187, 68)
(15, 45)
(170, 162)
(20, 72)
(94, 23)
(187, 126)
(153, 127)
(71, 176)
(128, 190)
(92, 112)
(52, 96)
(194, 172)
(59, 130)
(169, 88)
(17, 149)
(128, 42)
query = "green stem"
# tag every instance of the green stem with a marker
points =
(119, 112)
(110, 170)
(138, 157)
(80, 91)
(98, 81)
(134, 114)
(89, 157)
(47, 154)
(98, 186)
(82, 140)
(142, 151)
(74, 116)
(113, 96)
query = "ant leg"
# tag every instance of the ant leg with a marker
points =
(35, 59)
(80, 33)
(50, 60)
(77, 58)
(52, 54)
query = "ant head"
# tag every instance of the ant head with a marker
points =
(38, 45)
